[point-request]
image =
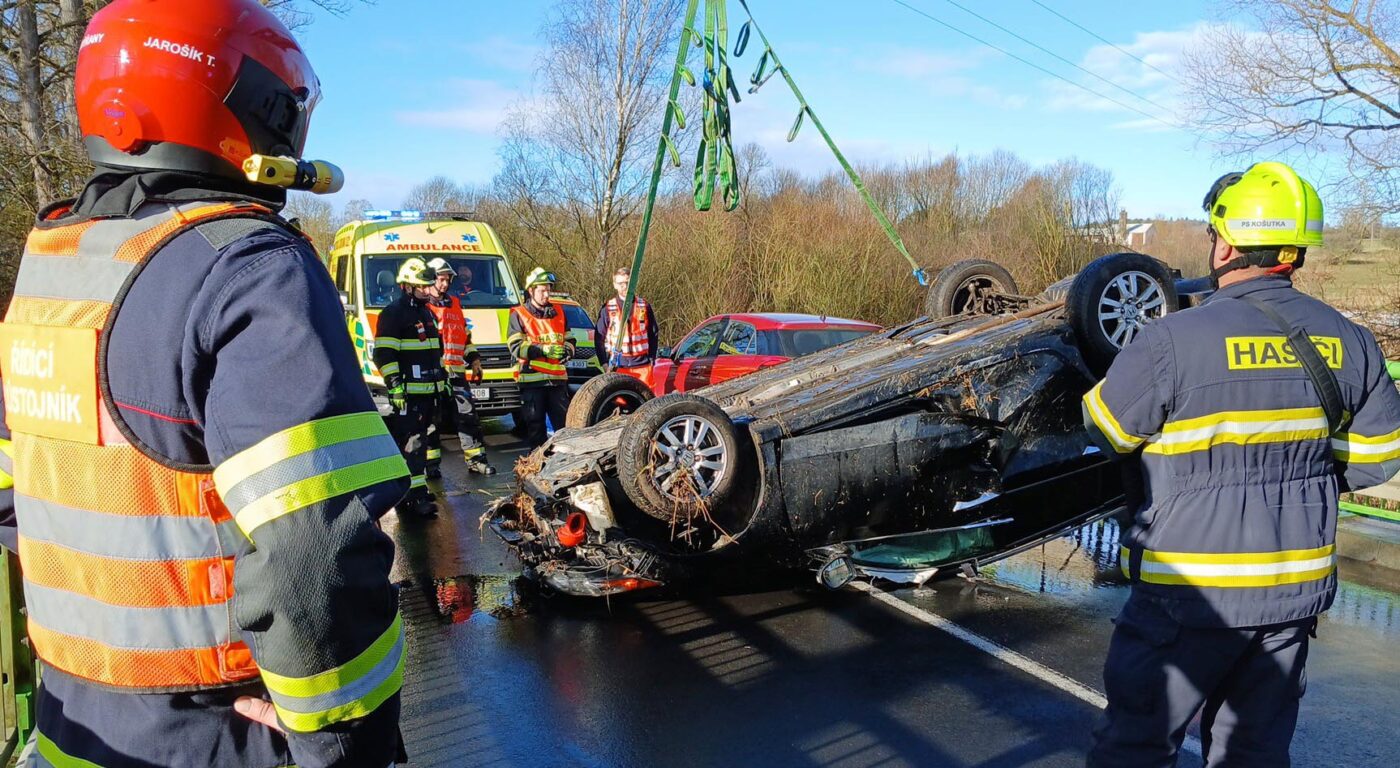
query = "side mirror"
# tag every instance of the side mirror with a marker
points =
(837, 572)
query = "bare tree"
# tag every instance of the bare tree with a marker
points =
(1320, 76)
(579, 154)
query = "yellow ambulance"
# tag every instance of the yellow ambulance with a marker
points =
(365, 259)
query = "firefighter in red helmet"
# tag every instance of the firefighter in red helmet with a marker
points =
(204, 578)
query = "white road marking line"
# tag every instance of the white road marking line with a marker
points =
(1000, 652)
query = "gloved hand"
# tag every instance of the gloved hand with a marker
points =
(398, 393)
(554, 351)
(570, 349)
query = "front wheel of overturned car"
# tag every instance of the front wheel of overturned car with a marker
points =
(965, 287)
(1113, 298)
(678, 457)
(605, 395)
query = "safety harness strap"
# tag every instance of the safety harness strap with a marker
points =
(1322, 377)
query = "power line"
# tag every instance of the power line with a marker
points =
(1032, 64)
(1049, 52)
(1102, 39)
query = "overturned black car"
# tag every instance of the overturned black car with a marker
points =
(944, 443)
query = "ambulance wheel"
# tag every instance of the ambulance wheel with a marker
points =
(961, 287)
(1111, 300)
(604, 396)
(678, 457)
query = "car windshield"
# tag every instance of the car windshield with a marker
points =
(796, 343)
(576, 316)
(490, 284)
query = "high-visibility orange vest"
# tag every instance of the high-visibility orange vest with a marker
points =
(452, 327)
(634, 342)
(128, 563)
(541, 331)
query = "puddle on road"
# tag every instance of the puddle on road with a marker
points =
(1085, 564)
(1081, 561)
(459, 598)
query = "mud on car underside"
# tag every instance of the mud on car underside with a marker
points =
(932, 445)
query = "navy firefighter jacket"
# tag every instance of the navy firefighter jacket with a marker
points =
(1242, 473)
(231, 342)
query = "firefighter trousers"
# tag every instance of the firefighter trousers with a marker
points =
(538, 401)
(449, 418)
(1245, 682)
(410, 431)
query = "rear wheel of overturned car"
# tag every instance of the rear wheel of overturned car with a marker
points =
(1113, 298)
(963, 287)
(605, 395)
(678, 457)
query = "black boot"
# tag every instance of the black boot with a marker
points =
(478, 465)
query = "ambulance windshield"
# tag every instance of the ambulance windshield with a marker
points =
(482, 281)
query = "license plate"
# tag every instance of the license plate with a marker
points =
(481, 393)
(577, 364)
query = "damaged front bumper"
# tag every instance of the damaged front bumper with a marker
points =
(592, 567)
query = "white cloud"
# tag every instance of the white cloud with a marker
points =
(940, 75)
(1155, 77)
(470, 105)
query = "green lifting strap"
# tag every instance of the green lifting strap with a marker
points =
(761, 75)
(664, 146)
(715, 162)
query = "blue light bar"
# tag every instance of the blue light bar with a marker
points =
(393, 215)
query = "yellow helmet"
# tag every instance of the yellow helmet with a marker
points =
(414, 272)
(1267, 206)
(540, 276)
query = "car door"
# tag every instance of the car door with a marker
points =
(739, 353)
(692, 361)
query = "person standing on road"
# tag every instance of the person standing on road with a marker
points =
(408, 354)
(540, 346)
(629, 350)
(205, 581)
(1250, 414)
(458, 354)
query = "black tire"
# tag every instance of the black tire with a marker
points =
(955, 287)
(1136, 288)
(604, 395)
(642, 459)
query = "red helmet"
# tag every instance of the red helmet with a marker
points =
(192, 86)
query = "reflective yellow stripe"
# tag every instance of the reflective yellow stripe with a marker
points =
(387, 342)
(1107, 423)
(1365, 449)
(7, 465)
(410, 345)
(1284, 425)
(1235, 569)
(294, 441)
(308, 463)
(352, 690)
(418, 481)
(421, 387)
(57, 757)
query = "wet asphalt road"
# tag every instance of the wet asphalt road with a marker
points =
(794, 675)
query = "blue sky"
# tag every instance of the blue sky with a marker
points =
(415, 88)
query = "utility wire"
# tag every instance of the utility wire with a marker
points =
(1102, 39)
(1032, 64)
(1049, 52)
